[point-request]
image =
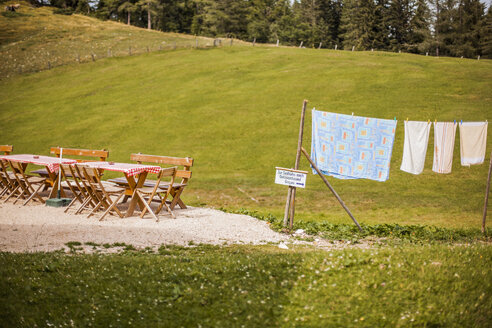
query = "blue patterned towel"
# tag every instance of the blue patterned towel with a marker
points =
(352, 147)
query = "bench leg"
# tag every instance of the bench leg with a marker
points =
(176, 199)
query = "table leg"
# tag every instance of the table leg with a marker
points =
(132, 186)
(54, 178)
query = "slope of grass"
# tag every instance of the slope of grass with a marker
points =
(250, 287)
(32, 37)
(236, 111)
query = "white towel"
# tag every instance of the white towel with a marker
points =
(444, 134)
(415, 146)
(473, 141)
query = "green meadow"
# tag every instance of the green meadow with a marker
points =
(243, 286)
(236, 111)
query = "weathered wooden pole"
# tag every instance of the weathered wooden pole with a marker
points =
(330, 187)
(486, 195)
(291, 196)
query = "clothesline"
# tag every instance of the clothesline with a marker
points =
(355, 147)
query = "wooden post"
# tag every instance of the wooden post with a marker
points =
(320, 44)
(487, 195)
(148, 49)
(49, 64)
(290, 204)
(93, 57)
(300, 46)
(336, 46)
(278, 42)
(330, 187)
(254, 41)
(287, 207)
(129, 50)
(78, 58)
(353, 47)
(231, 42)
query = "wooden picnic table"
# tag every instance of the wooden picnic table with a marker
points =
(130, 170)
(52, 165)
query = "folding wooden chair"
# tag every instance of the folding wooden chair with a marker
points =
(26, 183)
(6, 178)
(161, 193)
(8, 184)
(91, 200)
(71, 181)
(102, 192)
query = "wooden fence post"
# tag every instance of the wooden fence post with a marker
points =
(78, 58)
(486, 195)
(129, 50)
(320, 44)
(336, 46)
(93, 57)
(278, 42)
(300, 46)
(49, 64)
(254, 41)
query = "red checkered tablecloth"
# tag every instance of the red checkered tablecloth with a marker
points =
(128, 168)
(51, 163)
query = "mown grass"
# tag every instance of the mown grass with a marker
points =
(207, 286)
(32, 37)
(236, 111)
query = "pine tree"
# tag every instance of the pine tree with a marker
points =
(381, 26)
(469, 20)
(151, 7)
(486, 33)
(400, 15)
(129, 8)
(420, 39)
(357, 24)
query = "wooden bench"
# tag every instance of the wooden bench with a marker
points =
(101, 155)
(6, 149)
(184, 165)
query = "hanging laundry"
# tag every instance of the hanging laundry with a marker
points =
(415, 146)
(444, 134)
(473, 141)
(352, 147)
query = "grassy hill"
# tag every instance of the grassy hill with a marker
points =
(32, 37)
(236, 110)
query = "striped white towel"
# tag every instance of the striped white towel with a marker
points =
(444, 135)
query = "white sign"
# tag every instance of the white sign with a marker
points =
(289, 177)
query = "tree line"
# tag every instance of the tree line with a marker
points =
(437, 27)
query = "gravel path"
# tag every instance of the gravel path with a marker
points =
(41, 228)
